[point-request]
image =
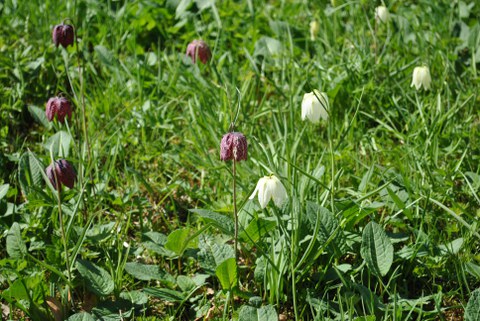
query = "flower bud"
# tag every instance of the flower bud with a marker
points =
(63, 35)
(200, 49)
(64, 172)
(233, 146)
(421, 77)
(314, 29)
(381, 13)
(60, 107)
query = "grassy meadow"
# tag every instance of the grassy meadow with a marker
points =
(379, 214)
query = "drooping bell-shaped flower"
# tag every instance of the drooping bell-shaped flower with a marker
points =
(58, 107)
(233, 146)
(270, 187)
(199, 49)
(421, 77)
(62, 172)
(382, 14)
(314, 106)
(63, 35)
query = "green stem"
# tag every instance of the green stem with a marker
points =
(62, 229)
(235, 216)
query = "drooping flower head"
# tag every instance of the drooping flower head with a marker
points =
(63, 35)
(63, 172)
(382, 14)
(59, 107)
(233, 146)
(270, 187)
(314, 106)
(421, 77)
(200, 49)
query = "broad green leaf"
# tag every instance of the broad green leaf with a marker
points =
(473, 269)
(143, 271)
(265, 313)
(452, 247)
(30, 171)
(472, 311)
(82, 316)
(326, 224)
(117, 310)
(213, 252)
(185, 283)
(179, 240)
(59, 144)
(97, 279)
(220, 221)
(16, 247)
(376, 249)
(135, 297)
(256, 229)
(39, 115)
(165, 294)
(4, 190)
(227, 274)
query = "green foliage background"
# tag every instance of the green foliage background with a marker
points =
(393, 175)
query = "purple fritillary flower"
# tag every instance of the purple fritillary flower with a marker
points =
(200, 49)
(60, 107)
(233, 146)
(63, 35)
(64, 171)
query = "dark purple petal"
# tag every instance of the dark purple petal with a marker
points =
(51, 175)
(65, 173)
(51, 108)
(59, 107)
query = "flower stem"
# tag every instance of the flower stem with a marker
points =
(62, 230)
(235, 216)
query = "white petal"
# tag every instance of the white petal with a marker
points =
(416, 78)
(280, 193)
(306, 105)
(322, 99)
(265, 192)
(256, 189)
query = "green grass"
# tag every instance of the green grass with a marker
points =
(149, 223)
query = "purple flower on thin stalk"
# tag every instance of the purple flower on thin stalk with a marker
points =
(233, 146)
(60, 107)
(200, 49)
(63, 35)
(63, 171)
